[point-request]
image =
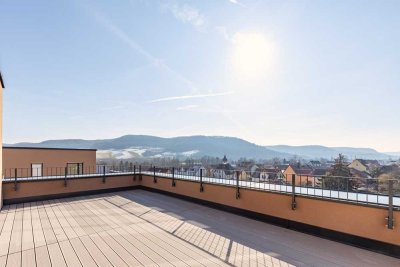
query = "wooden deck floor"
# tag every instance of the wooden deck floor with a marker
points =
(139, 228)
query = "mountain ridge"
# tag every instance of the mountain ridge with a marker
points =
(201, 145)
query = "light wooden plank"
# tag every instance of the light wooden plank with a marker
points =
(82, 253)
(113, 257)
(27, 231)
(144, 259)
(38, 235)
(3, 261)
(42, 256)
(55, 224)
(3, 216)
(95, 252)
(16, 235)
(71, 220)
(69, 254)
(56, 256)
(77, 215)
(28, 258)
(46, 226)
(90, 219)
(14, 260)
(143, 247)
(67, 228)
(120, 250)
(5, 234)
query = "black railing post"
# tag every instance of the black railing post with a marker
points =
(173, 177)
(134, 172)
(104, 174)
(65, 176)
(140, 172)
(294, 204)
(201, 180)
(237, 185)
(15, 178)
(389, 218)
(154, 175)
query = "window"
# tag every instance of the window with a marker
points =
(37, 169)
(74, 168)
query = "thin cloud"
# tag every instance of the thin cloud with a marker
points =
(182, 97)
(187, 14)
(236, 2)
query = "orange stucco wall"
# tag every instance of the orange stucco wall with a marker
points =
(364, 221)
(28, 189)
(54, 160)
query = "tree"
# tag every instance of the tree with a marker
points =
(338, 177)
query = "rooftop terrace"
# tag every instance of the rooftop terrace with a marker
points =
(139, 228)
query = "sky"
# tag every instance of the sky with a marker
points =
(271, 72)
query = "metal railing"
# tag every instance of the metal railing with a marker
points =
(355, 189)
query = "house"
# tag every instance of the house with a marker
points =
(303, 175)
(223, 170)
(364, 165)
(196, 170)
(315, 163)
(267, 175)
(39, 161)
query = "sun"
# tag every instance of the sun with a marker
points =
(253, 55)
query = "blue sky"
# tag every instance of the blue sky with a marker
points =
(271, 72)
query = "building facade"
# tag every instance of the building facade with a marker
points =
(39, 162)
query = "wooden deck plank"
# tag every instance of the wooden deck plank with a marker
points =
(6, 232)
(3, 261)
(66, 227)
(95, 252)
(28, 258)
(144, 259)
(77, 215)
(27, 231)
(16, 235)
(111, 255)
(120, 250)
(83, 255)
(145, 248)
(54, 222)
(3, 216)
(37, 231)
(42, 256)
(56, 256)
(49, 235)
(69, 254)
(14, 260)
(71, 220)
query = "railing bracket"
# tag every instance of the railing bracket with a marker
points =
(173, 177)
(389, 218)
(201, 181)
(237, 185)
(294, 204)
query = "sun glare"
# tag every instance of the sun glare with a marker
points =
(253, 55)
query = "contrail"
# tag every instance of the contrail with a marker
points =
(172, 98)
